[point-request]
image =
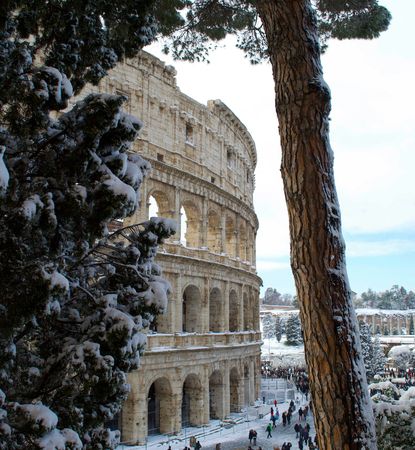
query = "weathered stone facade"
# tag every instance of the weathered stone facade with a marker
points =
(204, 359)
(388, 322)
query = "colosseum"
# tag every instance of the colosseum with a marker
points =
(202, 360)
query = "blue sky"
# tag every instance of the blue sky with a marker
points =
(373, 138)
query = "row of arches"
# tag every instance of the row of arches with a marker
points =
(237, 316)
(222, 234)
(224, 396)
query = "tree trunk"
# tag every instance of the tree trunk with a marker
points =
(343, 415)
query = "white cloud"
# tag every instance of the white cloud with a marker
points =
(379, 248)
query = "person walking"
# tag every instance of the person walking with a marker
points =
(250, 435)
(254, 436)
(198, 445)
(268, 429)
(289, 414)
(284, 418)
(300, 414)
(297, 430)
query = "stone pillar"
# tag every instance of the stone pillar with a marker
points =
(178, 305)
(237, 238)
(226, 392)
(176, 409)
(225, 321)
(223, 231)
(241, 321)
(204, 313)
(252, 396)
(390, 325)
(177, 213)
(205, 395)
(373, 325)
(134, 420)
(204, 223)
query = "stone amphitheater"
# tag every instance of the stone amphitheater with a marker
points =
(202, 360)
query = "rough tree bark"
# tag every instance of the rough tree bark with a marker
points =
(343, 415)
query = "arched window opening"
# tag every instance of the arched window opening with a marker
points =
(153, 208)
(233, 312)
(183, 226)
(191, 310)
(192, 402)
(248, 313)
(190, 225)
(159, 398)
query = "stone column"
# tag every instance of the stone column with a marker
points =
(255, 309)
(177, 213)
(204, 223)
(225, 322)
(204, 378)
(204, 313)
(241, 321)
(226, 391)
(390, 325)
(134, 420)
(373, 325)
(176, 409)
(223, 231)
(251, 382)
(237, 238)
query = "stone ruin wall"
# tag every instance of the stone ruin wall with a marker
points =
(203, 357)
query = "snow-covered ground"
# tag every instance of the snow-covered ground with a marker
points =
(233, 434)
(281, 354)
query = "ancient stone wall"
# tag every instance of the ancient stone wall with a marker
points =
(203, 356)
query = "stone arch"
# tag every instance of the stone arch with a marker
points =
(191, 305)
(158, 204)
(215, 310)
(230, 236)
(192, 401)
(214, 232)
(234, 390)
(234, 311)
(159, 397)
(216, 395)
(248, 313)
(190, 224)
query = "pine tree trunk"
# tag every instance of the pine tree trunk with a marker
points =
(343, 416)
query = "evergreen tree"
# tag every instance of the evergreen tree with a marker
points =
(75, 300)
(373, 356)
(367, 347)
(379, 359)
(293, 330)
(394, 412)
(278, 328)
(268, 326)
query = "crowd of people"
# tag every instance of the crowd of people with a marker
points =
(287, 373)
